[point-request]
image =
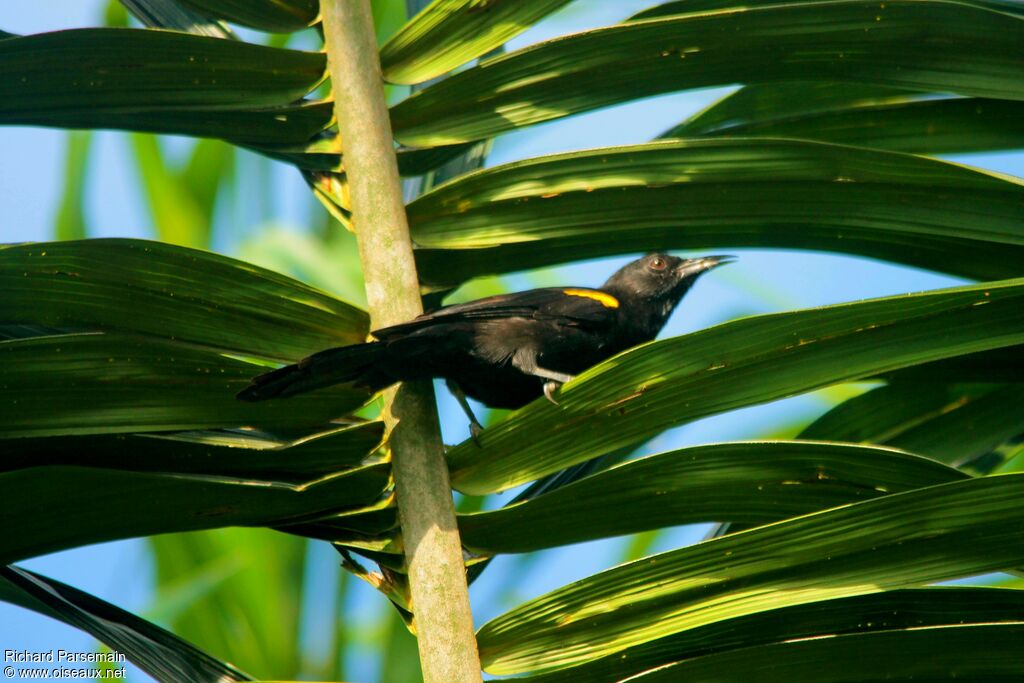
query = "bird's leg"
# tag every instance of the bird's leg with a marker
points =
(475, 428)
(526, 362)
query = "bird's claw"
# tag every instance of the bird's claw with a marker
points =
(549, 390)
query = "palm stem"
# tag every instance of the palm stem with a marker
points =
(433, 551)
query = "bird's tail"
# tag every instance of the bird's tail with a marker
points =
(326, 368)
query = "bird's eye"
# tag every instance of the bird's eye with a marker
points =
(657, 263)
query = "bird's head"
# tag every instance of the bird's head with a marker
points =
(651, 287)
(661, 277)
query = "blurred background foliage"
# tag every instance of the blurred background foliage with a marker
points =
(279, 605)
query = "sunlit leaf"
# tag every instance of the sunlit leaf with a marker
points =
(717, 193)
(745, 362)
(449, 33)
(928, 45)
(889, 611)
(908, 539)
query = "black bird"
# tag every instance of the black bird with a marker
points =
(505, 350)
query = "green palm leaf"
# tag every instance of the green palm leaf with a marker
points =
(65, 507)
(957, 651)
(741, 363)
(178, 83)
(749, 483)
(929, 45)
(888, 611)
(702, 193)
(927, 535)
(869, 117)
(112, 383)
(449, 33)
(161, 290)
(240, 453)
(955, 424)
(690, 6)
(268, 15)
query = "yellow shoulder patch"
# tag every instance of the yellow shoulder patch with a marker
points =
(606, 300)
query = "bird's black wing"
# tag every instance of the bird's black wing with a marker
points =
(570, 305)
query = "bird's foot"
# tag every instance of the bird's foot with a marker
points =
(549, 390)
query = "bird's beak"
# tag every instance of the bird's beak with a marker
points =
(691, 268)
